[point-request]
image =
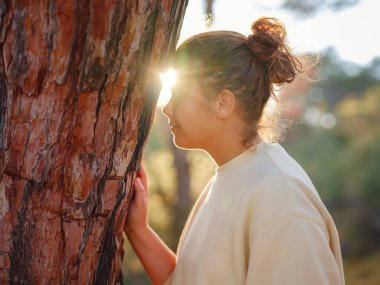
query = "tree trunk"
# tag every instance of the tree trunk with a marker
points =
(78, 89)
(183, 202)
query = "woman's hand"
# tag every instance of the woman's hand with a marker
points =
(137, 212)
(158, 260)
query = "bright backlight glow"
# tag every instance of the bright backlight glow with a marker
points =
(168, 79)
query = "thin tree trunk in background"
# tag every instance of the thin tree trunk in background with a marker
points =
(183, 202)
(209, 7)
(76, 104)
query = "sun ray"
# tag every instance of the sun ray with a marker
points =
(168, 79)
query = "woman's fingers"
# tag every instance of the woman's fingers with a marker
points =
(137, 213)
(138, 184)
(144, 178)
(140, 193)
(142, 181)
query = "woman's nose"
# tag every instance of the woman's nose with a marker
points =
(167, 110)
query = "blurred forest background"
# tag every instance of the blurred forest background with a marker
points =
(334, 135)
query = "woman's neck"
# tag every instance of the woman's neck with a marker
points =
(222, 156)
(227, 149)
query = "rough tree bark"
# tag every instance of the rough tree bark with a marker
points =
(75, 108)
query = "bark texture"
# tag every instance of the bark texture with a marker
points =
(77, 93)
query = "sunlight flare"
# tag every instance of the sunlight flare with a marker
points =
(168, 79)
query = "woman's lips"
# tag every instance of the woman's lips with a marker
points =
(172, 127)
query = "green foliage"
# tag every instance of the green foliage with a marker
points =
(310, 7)
(322, 156)
(371, 176)
(363, 271)
(340, 79)
(360, 119)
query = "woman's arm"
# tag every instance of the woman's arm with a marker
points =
(293, 250)
(158, 260)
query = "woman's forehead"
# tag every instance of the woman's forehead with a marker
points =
(186, 81)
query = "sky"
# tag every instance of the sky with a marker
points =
(353, 31)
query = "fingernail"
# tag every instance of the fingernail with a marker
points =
(139, 183)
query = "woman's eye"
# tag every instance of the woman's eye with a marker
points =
(176, 97)
(177, 94)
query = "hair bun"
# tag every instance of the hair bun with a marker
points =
(268, 35)
(267, 44)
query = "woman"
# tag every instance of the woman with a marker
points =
(259, 220)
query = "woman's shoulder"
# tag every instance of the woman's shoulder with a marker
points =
(271, 166)
(280, 187)
(279, 161)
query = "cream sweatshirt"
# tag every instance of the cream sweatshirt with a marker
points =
(259, 221)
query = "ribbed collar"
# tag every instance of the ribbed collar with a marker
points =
(233, 164)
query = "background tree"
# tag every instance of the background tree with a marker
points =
(298, 7)
(78, 91)
(311, 7)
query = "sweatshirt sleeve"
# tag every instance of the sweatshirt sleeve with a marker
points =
(292, 250)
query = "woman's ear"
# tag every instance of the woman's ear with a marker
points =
(225, 104)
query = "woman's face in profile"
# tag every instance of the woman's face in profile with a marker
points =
(189, 114)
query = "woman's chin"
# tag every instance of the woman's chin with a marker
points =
(181, 143)
(178, 143)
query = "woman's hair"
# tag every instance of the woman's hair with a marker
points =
(250, 66)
